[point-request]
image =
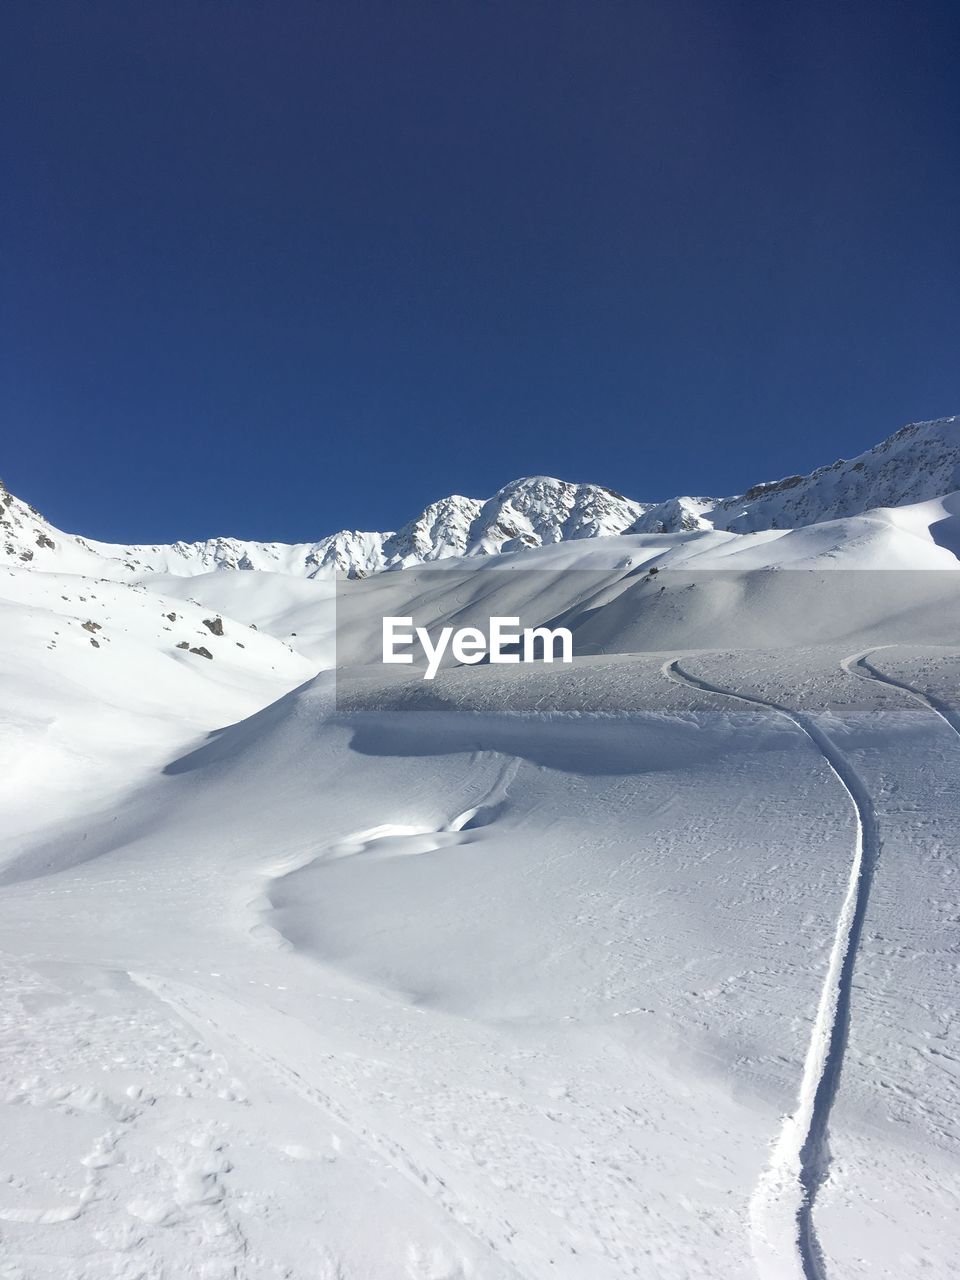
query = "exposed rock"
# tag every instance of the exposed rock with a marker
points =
(201, 652)
(184, 644)
(214, 625)
(89, 625)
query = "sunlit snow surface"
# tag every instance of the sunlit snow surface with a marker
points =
(645, 967)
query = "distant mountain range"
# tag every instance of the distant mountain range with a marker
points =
(917, 463)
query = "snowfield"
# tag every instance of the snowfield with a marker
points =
(640, 967)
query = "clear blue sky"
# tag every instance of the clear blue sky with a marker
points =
(274, 267)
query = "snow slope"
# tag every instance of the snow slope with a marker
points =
(639, 967)
(536, 992)
(299, 611)
(96, 693)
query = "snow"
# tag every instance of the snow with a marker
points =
(95, 692)
(918, 464)
(639, 967)
(298, 611)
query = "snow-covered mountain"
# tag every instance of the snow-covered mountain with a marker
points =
(918, 463)
(531, 512)
(639, 966)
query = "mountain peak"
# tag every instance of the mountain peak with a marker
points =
(916, 463)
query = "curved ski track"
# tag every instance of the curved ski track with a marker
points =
(858, 665)
(800, 1159)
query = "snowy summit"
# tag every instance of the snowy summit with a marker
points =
(637, 965)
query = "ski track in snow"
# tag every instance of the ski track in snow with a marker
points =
(784, 1199)
(858, 665)
(379, 1146)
